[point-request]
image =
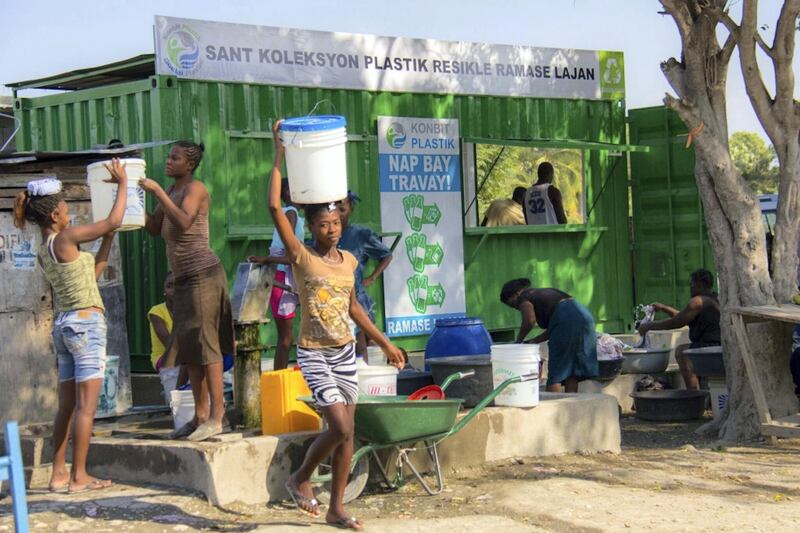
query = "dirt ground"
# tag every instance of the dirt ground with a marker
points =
(666, 479)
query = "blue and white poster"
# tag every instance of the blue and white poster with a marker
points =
(420, 184)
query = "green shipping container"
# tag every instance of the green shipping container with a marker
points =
(592, 261)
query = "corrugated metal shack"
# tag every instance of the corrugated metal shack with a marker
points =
(28, 376)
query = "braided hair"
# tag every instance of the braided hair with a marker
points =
(36, 209)
(194, 152)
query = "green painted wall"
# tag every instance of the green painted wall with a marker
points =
(233, 120)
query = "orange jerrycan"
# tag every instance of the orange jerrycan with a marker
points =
(281, 411)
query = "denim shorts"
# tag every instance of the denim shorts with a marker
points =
(80, 341)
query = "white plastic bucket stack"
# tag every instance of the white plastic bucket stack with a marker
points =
(512, 360)
(380, 380)
(375, 356)
(104, 194)
(315, 158)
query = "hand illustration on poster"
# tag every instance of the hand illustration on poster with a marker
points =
(423, 295)
(422, 254)
(417, 213)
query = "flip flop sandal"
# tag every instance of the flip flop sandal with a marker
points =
(298, 498)
(60, 489)
(205, 431)
(97, 484)
(347, 523)
(184, 431)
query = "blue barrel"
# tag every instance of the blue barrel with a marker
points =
(464, 336)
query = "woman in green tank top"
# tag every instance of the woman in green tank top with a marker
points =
(79, 330)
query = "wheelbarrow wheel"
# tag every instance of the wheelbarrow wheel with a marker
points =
(356, 483)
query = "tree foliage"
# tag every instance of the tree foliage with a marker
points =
(755, 160)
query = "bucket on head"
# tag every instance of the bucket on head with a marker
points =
(316, 160)
(104, 194)
(182, 406)
(107, 401)
(378, 380)
(512, 360)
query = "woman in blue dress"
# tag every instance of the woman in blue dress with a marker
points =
(364, 244)
(568, 327)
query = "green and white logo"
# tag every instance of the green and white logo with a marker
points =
(612, 75)
(395, 135)
(182, 45)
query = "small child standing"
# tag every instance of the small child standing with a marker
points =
(283, 303)
(162, 355)
(79, 330)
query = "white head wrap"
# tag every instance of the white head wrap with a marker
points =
(44, 187)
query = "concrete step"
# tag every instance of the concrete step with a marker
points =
(253, 469)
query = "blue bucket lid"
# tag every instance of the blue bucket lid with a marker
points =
(313, 123)
(458, 321)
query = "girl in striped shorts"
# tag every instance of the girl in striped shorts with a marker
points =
(325, 278)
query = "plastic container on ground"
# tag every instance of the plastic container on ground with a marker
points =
(511, 360)
(375, 356)
(107, 402)
(377, 380)
(182, 406)
(458, 337)
(104, 194)
(718, 389)
(281, 411)
(316, 159)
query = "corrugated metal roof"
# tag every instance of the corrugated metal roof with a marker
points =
(134, 68)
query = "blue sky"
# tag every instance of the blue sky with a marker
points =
(44, 37)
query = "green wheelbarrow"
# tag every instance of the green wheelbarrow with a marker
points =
(394, 422)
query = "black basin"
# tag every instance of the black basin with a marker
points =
(473, 389)
(411, 380)
(669, 405)
(707, 361)
(609, 369)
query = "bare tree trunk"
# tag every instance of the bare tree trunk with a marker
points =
(732, 213)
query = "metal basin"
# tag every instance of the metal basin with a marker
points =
(647, 361)
(669, 405)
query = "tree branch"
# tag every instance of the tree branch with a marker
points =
(783, 48)
(679, 12)
(753, 81)
(675, 74)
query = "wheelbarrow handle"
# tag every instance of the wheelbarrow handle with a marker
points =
(455, 377)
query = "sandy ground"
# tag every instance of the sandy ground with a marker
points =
(666, 479)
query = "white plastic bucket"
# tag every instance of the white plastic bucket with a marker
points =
(316, 160)
(375, 356)
(377, 380)
(182, 405)
(718, 389)
(104, 194)
(169, 381)
(512, 360)
(107, 402)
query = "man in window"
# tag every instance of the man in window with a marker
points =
(506, 212)
(543, 203)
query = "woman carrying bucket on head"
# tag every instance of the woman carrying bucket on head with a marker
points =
(364, 244)
(202, 317)
(326, 348)
(568, 327)
(79, 330)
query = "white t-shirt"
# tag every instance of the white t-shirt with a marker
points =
(538, 207)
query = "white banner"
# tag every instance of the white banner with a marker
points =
(244, 53)
(420, 184)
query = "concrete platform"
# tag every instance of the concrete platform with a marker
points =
(252, 469)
